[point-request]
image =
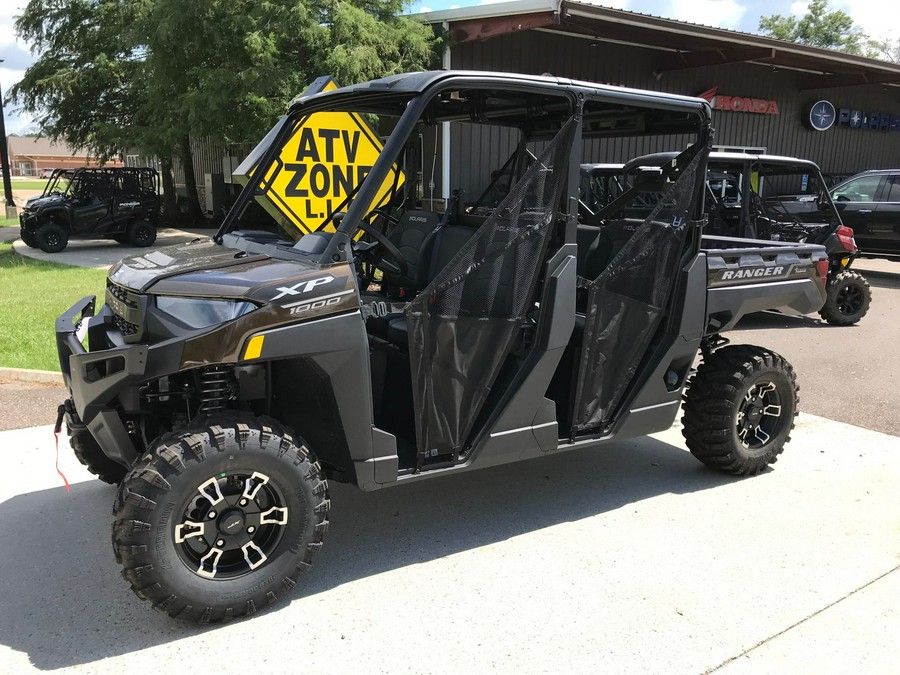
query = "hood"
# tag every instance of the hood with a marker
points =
(203, 268)
(43, 202)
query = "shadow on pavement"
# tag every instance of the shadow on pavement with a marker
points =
(67, 605)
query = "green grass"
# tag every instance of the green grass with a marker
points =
(8, 222)
(37, 184)
(34, 294)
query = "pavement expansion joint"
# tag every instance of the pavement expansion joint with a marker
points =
(802, 621)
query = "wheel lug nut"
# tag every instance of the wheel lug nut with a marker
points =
(251, 529)
(212, 514)
(221, 542)
(243, 502)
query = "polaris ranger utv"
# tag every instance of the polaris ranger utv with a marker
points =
(383, 338)
(120, 203)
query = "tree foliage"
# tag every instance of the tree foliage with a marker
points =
(151, 74)
(819, 27)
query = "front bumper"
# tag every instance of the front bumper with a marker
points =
(104, 381)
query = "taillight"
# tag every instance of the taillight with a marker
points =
(845, 236)
(822, 267)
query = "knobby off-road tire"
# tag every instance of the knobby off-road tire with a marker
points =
(847, 299)
(141, 233)
(51, 237)
(739, 409)
(28, 238)
(218, 521)
(89, 453)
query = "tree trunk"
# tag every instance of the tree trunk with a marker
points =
(195, 213)
(170, 197)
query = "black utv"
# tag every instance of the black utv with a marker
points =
(120, 203)
(764, 197)
(401, 338)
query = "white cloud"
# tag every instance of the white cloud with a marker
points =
(423, 9)
(876, 20)
(799, 8)
(720, 13)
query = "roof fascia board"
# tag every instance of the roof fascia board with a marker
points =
(692, 30)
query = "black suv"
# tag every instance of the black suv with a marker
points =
(101, 203)
(869, 202)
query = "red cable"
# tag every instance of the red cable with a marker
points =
(61, 474)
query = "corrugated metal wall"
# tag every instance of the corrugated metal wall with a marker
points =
(839, 150)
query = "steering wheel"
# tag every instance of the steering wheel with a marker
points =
(395, 264)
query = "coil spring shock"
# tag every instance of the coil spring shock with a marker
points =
(214, 388)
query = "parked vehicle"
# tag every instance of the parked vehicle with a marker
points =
(47, 172)
(97, 203)
(772, 198)
(869, 202)
(226, 381)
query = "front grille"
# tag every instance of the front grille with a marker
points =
(127, 328)
(125, 309)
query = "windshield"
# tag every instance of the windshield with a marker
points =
(58, 183)
(372, 159)
(794, 203)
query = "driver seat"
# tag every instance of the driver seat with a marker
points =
(411, 236)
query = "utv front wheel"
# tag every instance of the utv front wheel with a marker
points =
(219, 520)
(51, 237)
(89, 453)
(141, 233)
(847, 299)
(740, 408)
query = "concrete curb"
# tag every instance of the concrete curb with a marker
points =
(31, 376)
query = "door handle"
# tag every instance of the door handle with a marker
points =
(865, 211)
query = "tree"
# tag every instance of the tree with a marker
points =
(152, 74)
(817, 28)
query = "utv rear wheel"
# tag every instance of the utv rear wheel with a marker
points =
(740, 408)
(89, 453)
(141, 233)
(847, 299)
(219, 520)
(51, 237)
(28, 238)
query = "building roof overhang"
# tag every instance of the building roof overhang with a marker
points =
(680, 45)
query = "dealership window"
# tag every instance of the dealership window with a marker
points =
(862, 189)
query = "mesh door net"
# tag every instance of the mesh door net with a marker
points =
(625, 303)
(463, 325)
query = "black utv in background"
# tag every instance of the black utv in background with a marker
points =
(120, 203)
(764, 197)
(381, 338)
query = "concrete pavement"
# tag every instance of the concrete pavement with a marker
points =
(634, 558)
(101, 253)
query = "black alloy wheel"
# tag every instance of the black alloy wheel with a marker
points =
(232, 525)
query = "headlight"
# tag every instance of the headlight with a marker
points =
(200, 312)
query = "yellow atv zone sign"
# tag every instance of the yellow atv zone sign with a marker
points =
(326, 157)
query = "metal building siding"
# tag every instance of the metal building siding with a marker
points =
(839, 149)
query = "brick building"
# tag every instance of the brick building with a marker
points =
(29, 155)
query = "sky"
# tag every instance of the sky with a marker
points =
(876, 19)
